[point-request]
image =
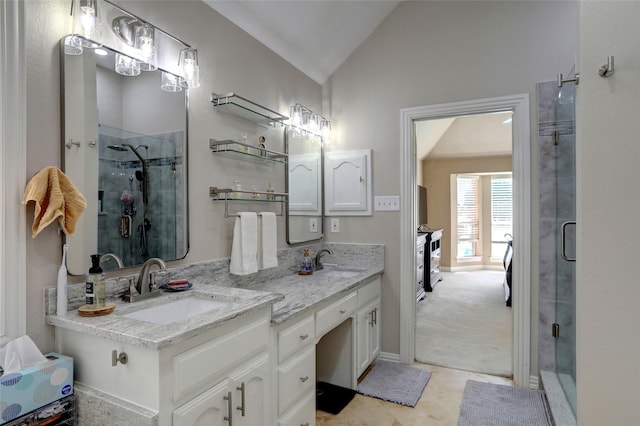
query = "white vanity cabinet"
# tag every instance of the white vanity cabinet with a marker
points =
(295, 372)
(367, 326)
(198, 381)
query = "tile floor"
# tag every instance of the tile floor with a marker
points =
(438, 406)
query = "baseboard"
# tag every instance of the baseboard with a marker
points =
(387, 356)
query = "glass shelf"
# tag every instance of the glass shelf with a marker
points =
(228, 194)
(246, 152)
(237, 105)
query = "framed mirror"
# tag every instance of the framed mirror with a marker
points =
(304, 185)
(125, 148)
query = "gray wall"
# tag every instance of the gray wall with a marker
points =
(428, 53)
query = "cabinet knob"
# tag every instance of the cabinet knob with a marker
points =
(342, 312)
(116, 357)
(304, 379)
(304, 337)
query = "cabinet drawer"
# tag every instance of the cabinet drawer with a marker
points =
(295, 379)
(201, 365)
(334, 314)
(368, 292)
(296, 337)
(303, 414)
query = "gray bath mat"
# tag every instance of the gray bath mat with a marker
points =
(487, 404)
(395, 382)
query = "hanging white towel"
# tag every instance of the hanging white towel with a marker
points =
(267, 241)
(244, 248)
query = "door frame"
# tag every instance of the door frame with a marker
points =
(521, 294)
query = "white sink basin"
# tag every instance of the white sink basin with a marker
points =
(177, 310)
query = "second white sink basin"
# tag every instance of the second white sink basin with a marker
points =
(177, 310)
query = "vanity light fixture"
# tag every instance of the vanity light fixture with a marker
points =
(140, 40)
(190, 68)
(305, 121)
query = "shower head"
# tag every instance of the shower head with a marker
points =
(119, 148)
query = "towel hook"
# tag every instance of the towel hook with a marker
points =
(71, 143)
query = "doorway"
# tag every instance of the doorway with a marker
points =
(519, 105)
(464, 163)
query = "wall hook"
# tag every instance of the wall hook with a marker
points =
(607, 69)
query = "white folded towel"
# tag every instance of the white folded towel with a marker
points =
(267, 241)
(244, 248)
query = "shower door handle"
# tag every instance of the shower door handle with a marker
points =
(563, 241)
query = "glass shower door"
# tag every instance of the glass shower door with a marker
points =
(565, 183)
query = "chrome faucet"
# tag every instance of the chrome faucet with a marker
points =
(144, 282)
(115, 258)
(316, 262)
(145, 287)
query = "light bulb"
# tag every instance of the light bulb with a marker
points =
(145, 42)
(127, 66)
(325, 130)
(170, 83)
(90, 23)
(296, 115)
(190, 68)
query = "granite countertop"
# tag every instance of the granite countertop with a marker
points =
(158, 336)
(289, 296)
(303, 292)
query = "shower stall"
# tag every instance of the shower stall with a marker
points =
(557, 171)
(138, 196)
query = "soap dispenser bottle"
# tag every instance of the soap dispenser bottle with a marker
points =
(95, 287)
(307, 265)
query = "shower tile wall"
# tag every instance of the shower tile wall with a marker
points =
(557, 183)
(117, 174)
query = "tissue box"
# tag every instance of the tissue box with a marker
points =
(33, 387)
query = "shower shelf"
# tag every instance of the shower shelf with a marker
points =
(247, 152)
(237, 105)
(227, 194)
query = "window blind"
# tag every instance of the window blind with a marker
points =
(468, 214)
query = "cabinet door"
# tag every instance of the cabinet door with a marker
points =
(364, 318)
(250, 386)
(367, 335)
(348, 183)
(207, 409)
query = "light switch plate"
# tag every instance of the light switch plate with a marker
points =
(335, 225)
(386, 203)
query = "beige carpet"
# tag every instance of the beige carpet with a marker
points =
(464, 324)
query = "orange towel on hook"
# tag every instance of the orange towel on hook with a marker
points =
(55, 197)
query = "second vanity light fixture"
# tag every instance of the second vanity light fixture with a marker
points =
(305, 121)
(136, 34)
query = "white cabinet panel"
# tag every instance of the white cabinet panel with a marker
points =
(304, 185)
(348, 183)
